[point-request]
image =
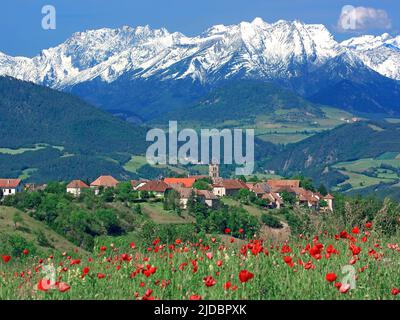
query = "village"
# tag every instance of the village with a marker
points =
(271, 191)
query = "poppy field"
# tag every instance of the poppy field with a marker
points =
(352, 264)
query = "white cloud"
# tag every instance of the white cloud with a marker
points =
(362, 19)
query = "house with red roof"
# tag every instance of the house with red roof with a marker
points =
(228, 187)
(207, 197)
(185, 182)
(103, 182)
(277, 185)
(76, 187)
(156, 187)
(10, 187)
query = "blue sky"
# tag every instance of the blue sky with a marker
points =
(21, 32)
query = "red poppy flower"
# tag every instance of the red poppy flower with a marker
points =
(356, 250)
(209, 281)
(219, 263)
(241, 230)
(338, 285)
(76, 261)
(25, 252)
(85, 271)
(103, 248)
(286, 249)
(395, 291)
(331, 277)
(44, 285)
(344, 288)
(132, 245)
(364, 239)
(195, 297)
(126, 257)
(209, 255)
(149, 271)
(101, 275)
(368, 225)
(6, 259)
(227, 285)
(63, 287)
(245, 275)
(227, 230)
(343, 234)
(287, 259)
(355, 230)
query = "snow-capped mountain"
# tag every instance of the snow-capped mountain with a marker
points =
(136, 68)
(381, 53)
(255, 49)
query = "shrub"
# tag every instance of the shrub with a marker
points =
(271, 221)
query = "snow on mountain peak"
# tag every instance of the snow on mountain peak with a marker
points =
(380, 53)
(253, 49)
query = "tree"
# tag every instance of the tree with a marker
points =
(289, 197)
(108, 195)
(191, 202)
(137, 209)
(171, 200)
(322, 190)
(323, 203)
(202, 184)
(305, 183)
(123, 190)
(17, 219)
(271, 221)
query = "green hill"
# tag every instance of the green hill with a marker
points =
(32, 231)
(50, 135)
(351, 155)
(244, 101)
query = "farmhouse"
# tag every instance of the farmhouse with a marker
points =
(10, 187)
(282, 184)
(228, 187)
(75, 187)
(184, 194)
(156, 187)
(274, 199)
(185, 182)
(138, 183)
(208, 198)
(103, 182)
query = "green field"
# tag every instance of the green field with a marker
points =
(27, 173)
(276, 128)
(273, 129)
(356, 170)
(155, 211)
(137, 162)
(38, 146)
(185, 270)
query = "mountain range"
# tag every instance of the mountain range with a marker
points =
(142, 72)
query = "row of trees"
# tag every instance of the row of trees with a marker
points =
(79, 220)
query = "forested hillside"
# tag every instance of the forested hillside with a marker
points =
(53, 135)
